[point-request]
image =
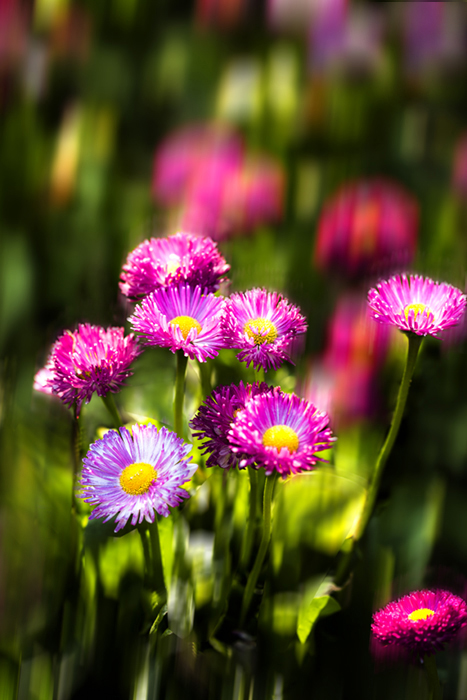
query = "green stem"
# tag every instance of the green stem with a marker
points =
(263, 548)
(143, 533)
(259, 374)
(205, 376)
(111, 406)
(251, 525)
(415, 342)
(77, 448)
(182, 362)
(157, 569)
(152, 558)
(436, 692)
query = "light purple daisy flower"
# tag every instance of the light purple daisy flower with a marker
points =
(134, 474)
(422, 622)
(262, 325)
(280, 432)
(214, 419)
(178, 259)
(90, 359)
(416, 304)
(182, 318)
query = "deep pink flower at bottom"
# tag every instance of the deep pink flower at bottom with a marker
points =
(421, 622)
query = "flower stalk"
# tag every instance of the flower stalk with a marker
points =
(414, 343)
(111, 406)
(263, 548)
(179, 398)
(251, 525)
(436, 692)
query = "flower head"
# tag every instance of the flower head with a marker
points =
(179, 259)
(416, 304)
(280, 432)
(421, 622)
(262, 325)
(134, 474)
(90, 359)
(214, 419)
(182, 318)
(367, 225)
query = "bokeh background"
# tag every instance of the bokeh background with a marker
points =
(320, 93)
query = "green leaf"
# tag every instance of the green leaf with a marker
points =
(321, 606)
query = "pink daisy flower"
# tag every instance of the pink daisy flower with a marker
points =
(422, 622)
(136, 474)
(280, 432)
(416, 304)
(214, 419)
(90, 359)
(178, 259)
(262, 325)
(182, 318)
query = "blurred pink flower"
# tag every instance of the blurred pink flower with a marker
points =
(367, 226)
(219, 190)
(209, 147)
(343, 380)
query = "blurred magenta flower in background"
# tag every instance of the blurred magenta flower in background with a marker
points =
(217, 188)
(343, 379)
(366, 227)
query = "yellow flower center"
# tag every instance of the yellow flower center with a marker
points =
(173, 263)
(186, 323)
(280, 436)
(421, 614)
(417, 309)
(137, 478)
(261, 330)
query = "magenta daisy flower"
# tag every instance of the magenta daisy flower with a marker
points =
(214, 419)
(422, 622)
(90, 359)
(280, 432)
(182, 318)
(416, 304)
(262, 325)
(162, 262)
(135, 474)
